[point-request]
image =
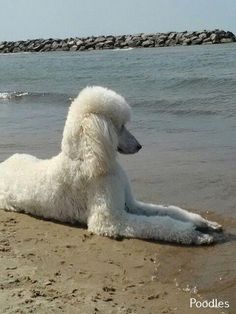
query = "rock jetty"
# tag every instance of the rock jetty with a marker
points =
(119, 42)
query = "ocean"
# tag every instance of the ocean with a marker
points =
(184, 115)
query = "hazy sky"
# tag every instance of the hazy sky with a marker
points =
(22, 19)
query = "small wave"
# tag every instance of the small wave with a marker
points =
(122, 49)
(188, 107)
(17, 96)
(199, 82)
(10, 95)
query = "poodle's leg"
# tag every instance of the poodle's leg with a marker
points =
(108, 217)
(140, 208)
(162, 228)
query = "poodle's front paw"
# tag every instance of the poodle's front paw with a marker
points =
(202, 238)
(214, 226)
(207, 225)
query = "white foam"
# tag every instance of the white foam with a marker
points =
(20, 94)
(9, 95)
(5, 95)
(122, 49)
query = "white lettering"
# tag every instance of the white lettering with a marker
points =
(214, 303)
(192, 301)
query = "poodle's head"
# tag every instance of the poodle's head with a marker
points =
(95, 129)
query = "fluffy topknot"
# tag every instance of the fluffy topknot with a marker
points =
(101, 100)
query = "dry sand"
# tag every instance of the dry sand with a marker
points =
(48, 267)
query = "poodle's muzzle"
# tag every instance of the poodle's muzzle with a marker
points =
(127, 143)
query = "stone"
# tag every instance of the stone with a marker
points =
(202, 36)
(79, 43)
(215, 38)
(16, 49)
(71, 43)
(74, 48)
(110, 38)
(230, 35)
(99, 45)
(89, 44)
(55, 45)
(46, 48)
(109, 43)
(172, 36)
(186, 41)
(82, 48)
(160, 43)
(196, 41)
(170, 42)
(134, 42)
(163, 37)
(99, 39)
(120, 38)
(38, 47)
(148, 43)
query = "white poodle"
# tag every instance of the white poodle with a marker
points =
(85, 183)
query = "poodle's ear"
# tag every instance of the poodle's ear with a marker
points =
(94, 144)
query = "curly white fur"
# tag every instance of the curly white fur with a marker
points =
(86, 184)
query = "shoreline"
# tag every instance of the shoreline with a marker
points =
(51, 267)
(119, 42)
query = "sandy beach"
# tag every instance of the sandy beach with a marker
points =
(48, 267)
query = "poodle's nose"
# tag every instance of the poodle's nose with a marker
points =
(139, 147)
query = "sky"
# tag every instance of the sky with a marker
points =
(28, 19)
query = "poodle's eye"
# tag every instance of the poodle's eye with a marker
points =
(122, 127)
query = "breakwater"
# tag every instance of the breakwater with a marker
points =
(119, 42)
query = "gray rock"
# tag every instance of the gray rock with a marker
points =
(55, 45)
(163, 37)
(89, 44)
(109, 42)
(186, 42)
(197, 41)
(89, 40)
(148, 43)
(99, 45)
(71, 43)
(194, 38)
(79, 43)
(202, 36)
(134, 42)
(99, 39)
(230, 35)
(74, 48)
(144, 37)
(38, 47)
(82, 48)
(172, 36)
(16, 49)
(46, 47)
(170, 42)
(120, 38)
(160, 43)
(110, 38)
(215, 38)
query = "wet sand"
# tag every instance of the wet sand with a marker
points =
(48, 267)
